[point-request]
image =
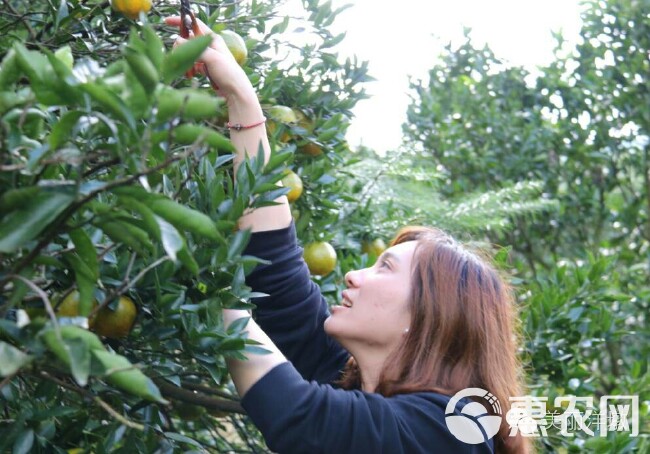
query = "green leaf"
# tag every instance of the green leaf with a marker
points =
(41, 75)
(238, 243)
(188, 104)
(64, 54)
(188, 134)
(172, 241)
(277, 159)
(183, 57)
(188, 260)
(333, 41)
(124, 375)
(183, 439)
(17, 198)
(143, 69)
(155, 48)
(109, 101)
(25, 224)
(62, 129)
(11, 359)
(280, 27)
(24, 442)
(149, 222)
(128, 234)
(79, 354)
(86, 251)
(86, 282)
(9, 328)
(8, 70)
(61, 14)
(185, 218)
(237, 326)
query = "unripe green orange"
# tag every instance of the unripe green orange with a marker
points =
(236, 46)
(292, 181)
(374, 247)
(320, 257)
(116, 323)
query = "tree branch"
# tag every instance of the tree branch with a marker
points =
(110, 410)
(53, 230)
(208, 390)
(196, 398)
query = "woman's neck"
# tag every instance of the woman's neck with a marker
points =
(370, 366)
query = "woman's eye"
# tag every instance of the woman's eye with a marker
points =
(383, 264)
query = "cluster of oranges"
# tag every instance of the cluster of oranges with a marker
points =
(109, 322)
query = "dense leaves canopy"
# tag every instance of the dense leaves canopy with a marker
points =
(116, 180)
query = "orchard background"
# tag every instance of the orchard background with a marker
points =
(116, 192)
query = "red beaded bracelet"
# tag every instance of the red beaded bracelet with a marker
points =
(239, 126)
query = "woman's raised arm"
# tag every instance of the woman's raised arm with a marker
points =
(244, 109)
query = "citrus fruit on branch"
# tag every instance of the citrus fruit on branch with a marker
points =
(311, 149)
(292, 181)
(320, 257)
(131, 8)
(283, 114)
(236, 45)
(107, 322)
(69, 307)
(116, 323)
(373, 247)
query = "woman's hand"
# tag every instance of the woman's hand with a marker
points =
(219, 65)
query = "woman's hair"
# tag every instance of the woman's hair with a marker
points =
(463, 330)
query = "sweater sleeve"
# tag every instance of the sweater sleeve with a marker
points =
(293, 313)
(296, 416)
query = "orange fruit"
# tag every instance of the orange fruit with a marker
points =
(312, 149)
(292, 181)
(374, 247)
(271, 126)
(131, 8)
(303, 120)
(236, 45)
(320, 257)
(282, 114)
(116, 323)
(69, 307)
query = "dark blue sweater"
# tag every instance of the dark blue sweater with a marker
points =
(295, 406)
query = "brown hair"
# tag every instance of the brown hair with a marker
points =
(463, 330)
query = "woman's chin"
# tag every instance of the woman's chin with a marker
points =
(331, 328)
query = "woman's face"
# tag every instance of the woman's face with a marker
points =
(374, 309)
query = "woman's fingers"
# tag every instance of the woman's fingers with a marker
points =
(179, 41)
(201, 29)
(204, 29)
(173, 21)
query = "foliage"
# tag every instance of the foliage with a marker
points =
(580, 130)
(116, 179)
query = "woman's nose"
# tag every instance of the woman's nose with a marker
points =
(352, 278)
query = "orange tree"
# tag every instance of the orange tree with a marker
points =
(579, 129)
(116, 185)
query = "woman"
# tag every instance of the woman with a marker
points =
(429, 319)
